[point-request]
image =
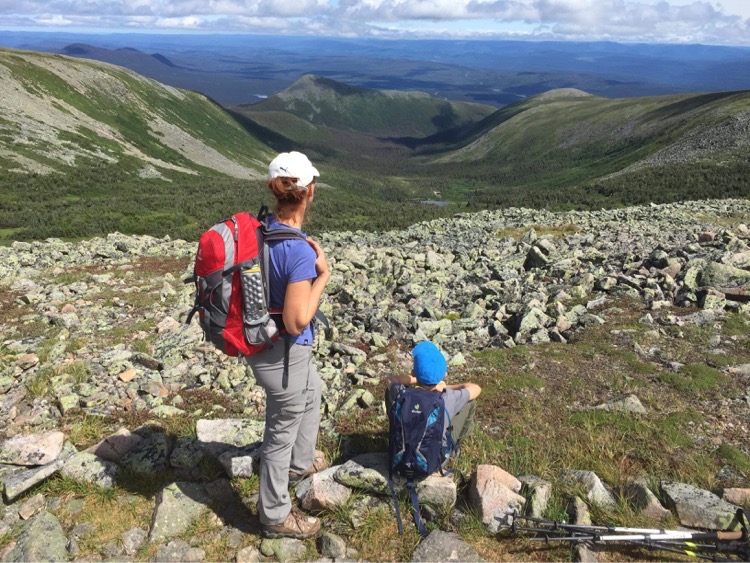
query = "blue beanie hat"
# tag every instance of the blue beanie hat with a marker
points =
(429, 364)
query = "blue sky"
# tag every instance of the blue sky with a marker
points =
(668, 21)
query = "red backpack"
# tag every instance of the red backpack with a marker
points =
(231, 281)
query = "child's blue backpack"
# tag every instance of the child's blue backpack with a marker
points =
(416, 422)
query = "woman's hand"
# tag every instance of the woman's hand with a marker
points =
(321, 264)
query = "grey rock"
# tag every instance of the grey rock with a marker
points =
(31, 506)
(179, 551)
(284, 549)
(643, 500)
(250, 554)
(20, 482)
(322, 491)
(221, 434)
(720, 276)
(150, 456)
(627, 403)
(332, 546)
(444, 546)
(133, 539)
(366, 472)
(39, 539)
(88, 468)
(177, 506)
(578, 512)
(538, 493)
(699, 508)
(596, 492)
(187, 457)
(241, 462)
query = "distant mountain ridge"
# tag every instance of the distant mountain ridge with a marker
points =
(125, 56)
(323, 101)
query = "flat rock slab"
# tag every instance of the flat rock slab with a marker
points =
(32, 449)
(86, 467)
(220, 435)
(699, 508)
(177, 507)
(40, 539)
(368, 472)
(444, 546)
(19, 482)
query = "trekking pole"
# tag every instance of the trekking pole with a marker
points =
(645, 533)
(554, 525)
(733, 543)
(670, 544)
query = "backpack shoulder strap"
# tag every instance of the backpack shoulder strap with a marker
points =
(415, 507)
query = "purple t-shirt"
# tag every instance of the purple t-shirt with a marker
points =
(291, 261)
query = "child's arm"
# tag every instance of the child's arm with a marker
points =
(474, 389)
(402, 379)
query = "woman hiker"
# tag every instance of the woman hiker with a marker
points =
(298, 274)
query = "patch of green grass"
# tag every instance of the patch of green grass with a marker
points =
(245, 487)
(736, 325)
(89, 430)
(672, 428)
(519, 381)
(78, 370)
(502, 359)
(694, 379)
(39, 384)
(632, 362)
(735, 457)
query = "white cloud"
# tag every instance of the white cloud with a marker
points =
(710, 21)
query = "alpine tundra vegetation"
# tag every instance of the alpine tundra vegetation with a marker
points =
(613, 347)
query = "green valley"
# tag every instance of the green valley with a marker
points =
(88, 148)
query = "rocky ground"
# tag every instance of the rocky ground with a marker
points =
(94, 341)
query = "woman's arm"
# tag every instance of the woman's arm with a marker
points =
(302, 298)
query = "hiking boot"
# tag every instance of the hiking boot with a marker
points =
(319, 464)
(297, 525)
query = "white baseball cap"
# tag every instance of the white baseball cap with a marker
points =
(293, 165)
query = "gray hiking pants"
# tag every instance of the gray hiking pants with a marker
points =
(292, 421)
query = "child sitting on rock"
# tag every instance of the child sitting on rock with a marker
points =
(429, 370)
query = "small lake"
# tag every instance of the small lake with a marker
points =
(434, 202)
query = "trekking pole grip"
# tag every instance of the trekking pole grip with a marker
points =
(729, 536)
